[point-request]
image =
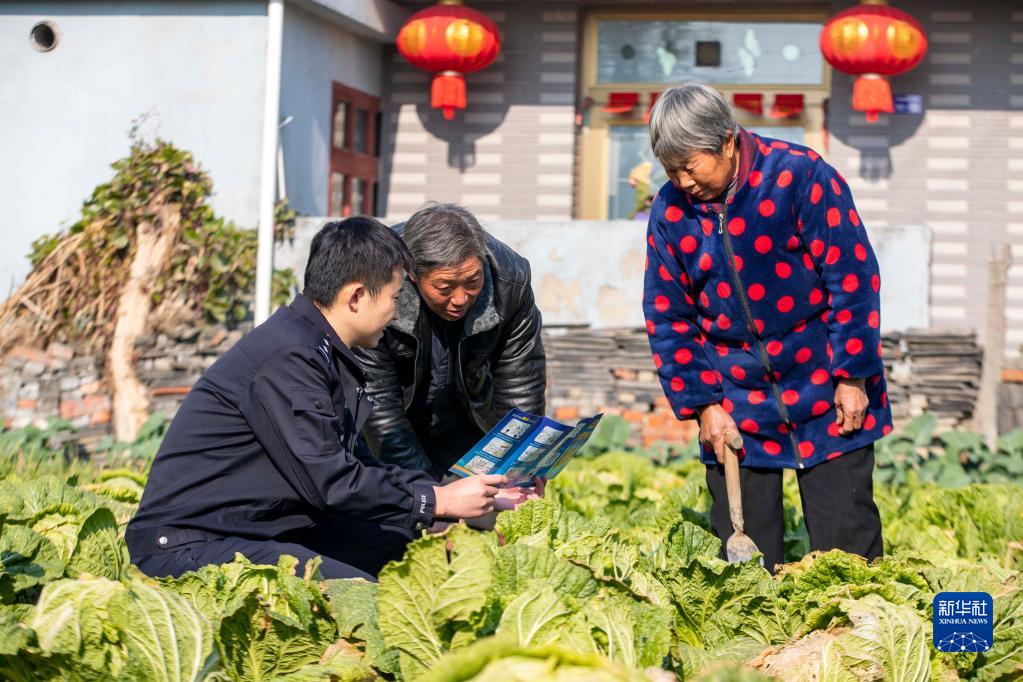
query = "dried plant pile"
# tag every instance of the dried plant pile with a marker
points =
(78, 275)
(147, 253)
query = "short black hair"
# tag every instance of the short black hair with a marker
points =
(356, 249)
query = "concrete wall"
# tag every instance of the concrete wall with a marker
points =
(959, 167)
(509, 155)
(196, 69)
(316, 53)
(591, 272)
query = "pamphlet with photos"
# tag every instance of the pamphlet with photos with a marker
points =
(524, 446)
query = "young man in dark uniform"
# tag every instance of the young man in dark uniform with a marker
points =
(265, 455)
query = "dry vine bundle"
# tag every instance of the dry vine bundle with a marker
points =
(77, 278)
(147, 252)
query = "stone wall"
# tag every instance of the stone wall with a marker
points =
(61, 383)
(589, 371)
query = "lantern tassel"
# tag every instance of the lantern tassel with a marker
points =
(871, 93)
(448, 93)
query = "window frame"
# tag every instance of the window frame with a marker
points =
(592, 180)
(348, 162)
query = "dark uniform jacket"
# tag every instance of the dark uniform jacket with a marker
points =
(268, 442)
(499, 358)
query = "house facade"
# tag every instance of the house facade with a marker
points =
(551, 150)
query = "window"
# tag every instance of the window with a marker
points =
(354, 162)
(666, 51)
(765, 55)
(635, 173)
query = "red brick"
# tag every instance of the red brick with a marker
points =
(656, 420)
(90, 388)
(565, 413)
(633, 416)
(1012, 376)
(27, 354)
(100, 417)
(27, 403)
(95, 403)
(69, 409)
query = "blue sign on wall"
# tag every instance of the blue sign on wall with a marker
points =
(963, 621)
(908, 104)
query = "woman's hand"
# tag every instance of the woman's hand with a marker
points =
(715, 422)
(850, 405)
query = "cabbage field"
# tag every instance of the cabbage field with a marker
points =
(613, 576)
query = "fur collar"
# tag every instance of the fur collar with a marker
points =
(482, 317)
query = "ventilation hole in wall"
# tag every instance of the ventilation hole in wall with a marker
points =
(44, 36)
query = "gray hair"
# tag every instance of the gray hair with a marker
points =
(443, 236)
(689, 118)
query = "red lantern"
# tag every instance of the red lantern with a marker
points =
(452, 40)
(873, 41)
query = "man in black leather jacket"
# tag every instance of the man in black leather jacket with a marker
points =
(465, 347)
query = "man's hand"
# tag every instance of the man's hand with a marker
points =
(511, 497)
(468, 497)
(714, 423)
(850, 405)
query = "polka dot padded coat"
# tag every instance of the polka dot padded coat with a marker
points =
(764, 306)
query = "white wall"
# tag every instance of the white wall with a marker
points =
(590, 271)
(195, 67)
(317, 53)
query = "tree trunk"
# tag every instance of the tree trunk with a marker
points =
(130, 400)
(985, 415)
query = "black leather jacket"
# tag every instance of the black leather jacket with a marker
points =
(500, 361)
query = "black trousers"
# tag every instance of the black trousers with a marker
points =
(838, 506)
(348, 548)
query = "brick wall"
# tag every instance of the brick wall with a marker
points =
(510, 154)
(958, 168)
(37, 385)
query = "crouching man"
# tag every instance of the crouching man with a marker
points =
(463, 350)
(265, 455)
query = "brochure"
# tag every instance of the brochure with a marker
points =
(523, 446)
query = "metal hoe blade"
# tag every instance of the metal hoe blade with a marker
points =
(739, 547)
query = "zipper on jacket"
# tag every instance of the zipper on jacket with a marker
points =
(359, 392)
(461, 381)
(751, 326)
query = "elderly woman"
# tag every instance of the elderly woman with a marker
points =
(762, 307)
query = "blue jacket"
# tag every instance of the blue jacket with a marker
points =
(762, 307)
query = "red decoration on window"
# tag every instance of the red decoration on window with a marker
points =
(873, 41)
(751, 102)
(650, 107)
(450, 40)
(787, 106)
(621, 102)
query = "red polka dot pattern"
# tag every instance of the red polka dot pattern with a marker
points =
(815, 324)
